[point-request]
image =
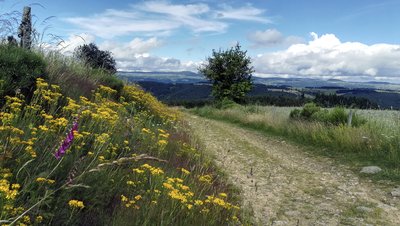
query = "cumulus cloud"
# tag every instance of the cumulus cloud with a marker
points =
(125, 51)
(272, 37)
(164, 17)
(328, 57)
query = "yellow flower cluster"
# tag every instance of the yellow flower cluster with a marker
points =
(7, 190)
(72, 106)
(131, 202)
(205, 179)
(43, 180)
(151, 169)
(29, 149)
(14, 104)
(185, 171)
(12, 129)
(220, 202)
(102, 138)
(45, 92)
(177, 190)
(147, 102)
(76, 204)
(6, 118)
(106, 91)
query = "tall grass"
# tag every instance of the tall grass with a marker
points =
(376, 142)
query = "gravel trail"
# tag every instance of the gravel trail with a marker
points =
(285, 185)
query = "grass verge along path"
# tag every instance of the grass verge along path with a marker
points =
(288, 186)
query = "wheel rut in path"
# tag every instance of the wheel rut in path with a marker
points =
(285, 185)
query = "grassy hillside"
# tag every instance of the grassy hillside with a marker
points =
(373, 143)
(74, 151)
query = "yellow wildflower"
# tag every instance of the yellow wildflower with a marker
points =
(138, 197)
(103, 138)
(15, 186)
(138, 171)
(40, 179)
(205, 178)
(162, 142)
(198, 202)
(43, 128)
(145, 130)
(168, 186)
(44, 180)
(26, 219)
(156, 171)
(39, 219)
(185, 171)
(47, 117)
(76, 204)
(124, 198)
(161, 130)
(147, 166)
(223, 195)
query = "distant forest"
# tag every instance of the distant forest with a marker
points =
(199, 94)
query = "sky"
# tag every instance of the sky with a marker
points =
(354, 40)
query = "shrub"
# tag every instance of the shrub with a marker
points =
(225, 103)
(336, 116)
(295, 114)
(19, 69)
(309, 109)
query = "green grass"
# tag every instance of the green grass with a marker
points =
(131, 161)
(375, 143)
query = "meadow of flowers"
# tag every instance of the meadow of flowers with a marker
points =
(112, 159)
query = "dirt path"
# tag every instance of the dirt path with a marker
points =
(287, 186)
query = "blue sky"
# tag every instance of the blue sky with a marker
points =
(344, 39)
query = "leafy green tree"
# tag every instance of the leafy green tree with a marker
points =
(230, 73)
(93, 57)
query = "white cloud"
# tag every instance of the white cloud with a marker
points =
(164, 17)
(107, 26)
(187, 15)
(248, 13)
(135, 56)
(272, 37)
(68, 45)
(125, 51)
(328, 56)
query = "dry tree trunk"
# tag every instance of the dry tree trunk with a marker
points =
(25, 28)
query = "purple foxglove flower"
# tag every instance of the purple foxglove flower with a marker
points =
(67, 141)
